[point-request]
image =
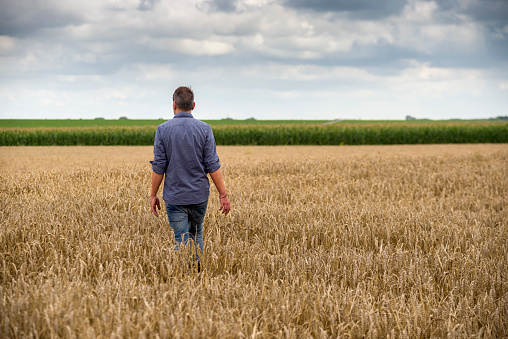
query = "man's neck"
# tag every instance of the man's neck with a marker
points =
(181, 111)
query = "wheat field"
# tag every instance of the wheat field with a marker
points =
(321, 242)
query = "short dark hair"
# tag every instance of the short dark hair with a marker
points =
(184, 98)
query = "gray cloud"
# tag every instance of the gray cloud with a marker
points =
(106, 54)
(21, 18)
(487, 11)
(227, 6)
(147, 5)
(491, 16)
(363, 9)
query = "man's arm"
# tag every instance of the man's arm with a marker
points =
(154, 200)
(225, 206)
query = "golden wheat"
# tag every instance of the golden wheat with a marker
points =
(321, 242)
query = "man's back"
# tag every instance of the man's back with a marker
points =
(185, 152)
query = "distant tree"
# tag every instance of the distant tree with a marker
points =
(123, 118)
(99, 118)
(408, 117)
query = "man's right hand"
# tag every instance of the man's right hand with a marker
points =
(154, 202)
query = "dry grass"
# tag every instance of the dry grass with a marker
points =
(321, 242)
(57, 158)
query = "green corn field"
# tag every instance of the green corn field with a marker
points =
(283, 134)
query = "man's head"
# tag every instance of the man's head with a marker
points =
(183, 99)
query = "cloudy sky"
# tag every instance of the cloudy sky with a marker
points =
(267, 59)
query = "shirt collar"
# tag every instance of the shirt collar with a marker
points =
(183, 115)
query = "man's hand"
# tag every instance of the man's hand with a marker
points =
(221, 188)
(154, 202)
(224, 205)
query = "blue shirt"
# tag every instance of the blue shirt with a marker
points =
(184, 151)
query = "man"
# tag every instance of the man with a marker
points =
(184, 153)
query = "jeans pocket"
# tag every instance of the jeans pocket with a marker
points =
(198, 211)
(176, 216)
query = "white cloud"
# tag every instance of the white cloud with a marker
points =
(121, 4)
(287, 94)
(204, 47)
(423, 80)
(190, 46)
(361, 93)
(6, 43)
(89, 58)
(419, 11)
(307, 73)
(81, 78)
(420, 30)
(117, 94)
(156, 72)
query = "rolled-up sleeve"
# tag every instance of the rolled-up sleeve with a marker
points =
(211, 159)
(160, 160)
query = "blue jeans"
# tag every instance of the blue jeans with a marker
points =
(187, 222)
